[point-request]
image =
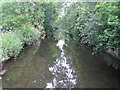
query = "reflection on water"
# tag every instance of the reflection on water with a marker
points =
(64, 75)
(50, 65)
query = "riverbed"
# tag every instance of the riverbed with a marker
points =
(47, 65)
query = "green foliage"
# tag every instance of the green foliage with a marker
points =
(11, 44)
(39, 14)
(51, 11)
(87, 25)
(16, 14)
(78, 23)
(96, 24)
(13, 41)
(29, 34)
(110, 25)
(24, 23)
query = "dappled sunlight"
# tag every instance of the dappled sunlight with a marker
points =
(64, 75)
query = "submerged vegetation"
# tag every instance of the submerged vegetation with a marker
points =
(93, 23)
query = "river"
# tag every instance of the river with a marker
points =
(59, 64)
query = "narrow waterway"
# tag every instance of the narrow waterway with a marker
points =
(59, 64)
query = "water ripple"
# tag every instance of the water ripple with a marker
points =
(64, 75)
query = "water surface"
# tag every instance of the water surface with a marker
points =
(50, 66)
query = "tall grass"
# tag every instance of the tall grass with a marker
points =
(12, 42)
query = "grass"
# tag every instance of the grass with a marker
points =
(12, 42)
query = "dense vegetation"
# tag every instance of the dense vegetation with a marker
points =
(92, 23)
(96, 24)
(22, 24)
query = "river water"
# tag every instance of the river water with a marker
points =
(59, 64)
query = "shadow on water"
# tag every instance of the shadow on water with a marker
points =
(40, 66)
(92, 70)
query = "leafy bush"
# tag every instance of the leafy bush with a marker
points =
(109, 21)
(96, 24)
(16, 14)
(29, 34)
(51, 12)
(11, 44)
(22, 23)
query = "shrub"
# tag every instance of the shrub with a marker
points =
(13, 41)
(29, 34)
(11, 44)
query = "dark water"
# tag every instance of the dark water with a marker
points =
(46, 66)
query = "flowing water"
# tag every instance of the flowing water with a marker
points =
(59, 65)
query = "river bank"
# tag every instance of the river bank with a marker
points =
(13, 42)
(109, 59)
